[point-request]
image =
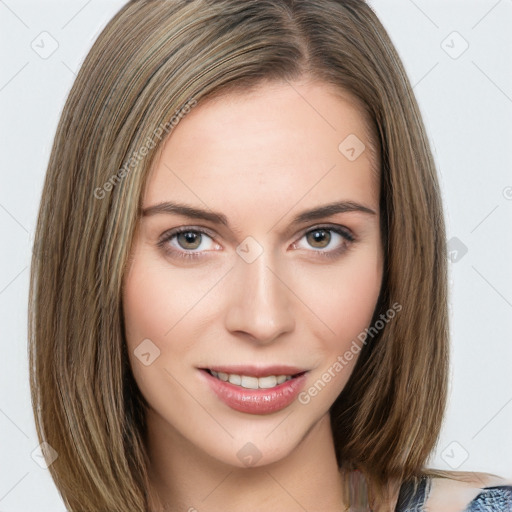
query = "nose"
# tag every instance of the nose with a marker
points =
(259, 306)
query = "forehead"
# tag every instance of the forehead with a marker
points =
(276, 142)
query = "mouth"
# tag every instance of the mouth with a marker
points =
(251, 381)
(255, 390)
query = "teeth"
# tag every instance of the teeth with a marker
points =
(248, 382)
(235, 379)
(268, 382)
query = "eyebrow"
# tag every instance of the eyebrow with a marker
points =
(312, 214)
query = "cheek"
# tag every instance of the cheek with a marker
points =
(151, 310)
(345, 296)
(158, 301)
(346, 300)
(146, 310)
(157, 306)
(166, 306)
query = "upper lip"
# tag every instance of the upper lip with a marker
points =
(257, 371)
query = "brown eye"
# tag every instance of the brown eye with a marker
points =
(187, 243)
(326, 241)
(189, 239)
(319, 238)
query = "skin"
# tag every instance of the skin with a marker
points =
(260, 159)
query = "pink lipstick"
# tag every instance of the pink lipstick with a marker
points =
(255, 390)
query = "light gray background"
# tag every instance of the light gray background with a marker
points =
(466, 101)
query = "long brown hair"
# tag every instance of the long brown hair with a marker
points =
(154, 60)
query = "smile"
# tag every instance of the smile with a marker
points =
(249, 382)
(265, 393)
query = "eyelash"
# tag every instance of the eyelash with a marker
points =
(188, 255)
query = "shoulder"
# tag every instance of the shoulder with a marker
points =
(464, 491)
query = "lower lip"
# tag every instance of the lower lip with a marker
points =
(256, 401)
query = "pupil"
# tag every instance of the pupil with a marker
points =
(320, 236)
(190, 238)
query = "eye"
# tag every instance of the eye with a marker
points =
(188, 242)
(321, 237)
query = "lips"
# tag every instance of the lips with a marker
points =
(255, 390)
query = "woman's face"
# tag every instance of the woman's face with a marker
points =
(255, 287)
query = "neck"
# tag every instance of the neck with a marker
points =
(186, 478)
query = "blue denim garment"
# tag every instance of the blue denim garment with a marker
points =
(491, 499)
(410, 501)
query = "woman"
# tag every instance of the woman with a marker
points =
(238, 292)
